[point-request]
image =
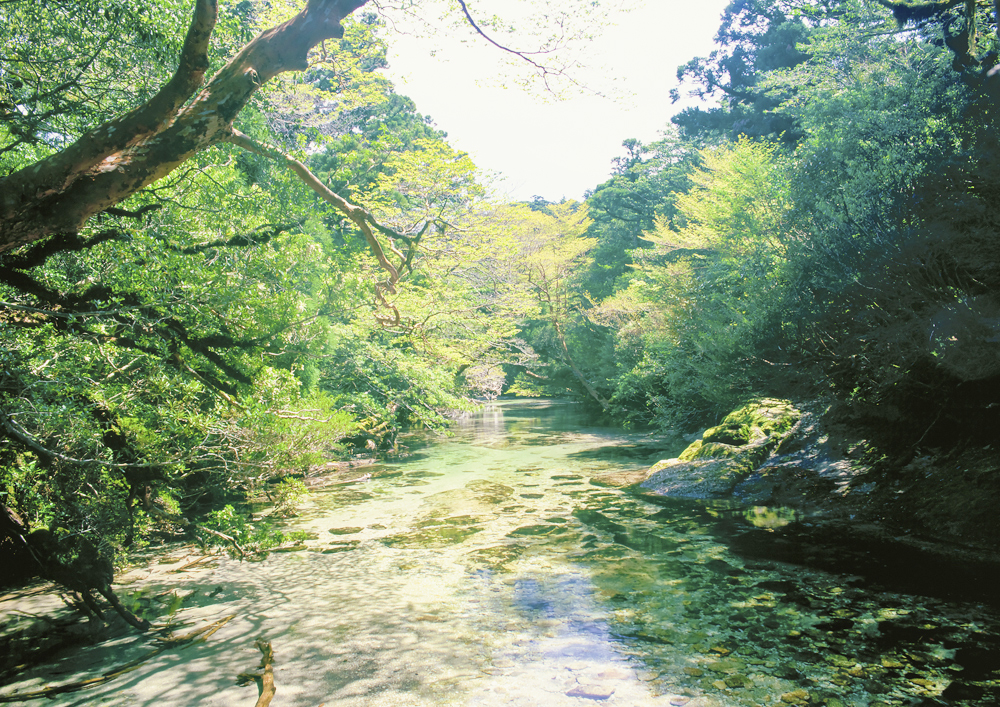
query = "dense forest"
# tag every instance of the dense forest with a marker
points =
(211, 288)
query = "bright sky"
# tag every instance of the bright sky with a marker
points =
(553, 148)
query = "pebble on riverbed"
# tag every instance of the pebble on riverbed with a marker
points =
(592, 692)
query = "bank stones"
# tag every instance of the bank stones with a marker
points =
(737, 681)
(727, 665)
(345, 531)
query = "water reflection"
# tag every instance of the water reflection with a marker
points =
(486, 570)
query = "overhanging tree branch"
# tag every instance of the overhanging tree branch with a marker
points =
(358, 216)
(544, 71)
(364, 221)
(126, 154)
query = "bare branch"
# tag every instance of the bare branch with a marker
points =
(361, 218)
(543, 70)
(21, 435)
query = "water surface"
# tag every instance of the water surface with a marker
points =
(486, 569)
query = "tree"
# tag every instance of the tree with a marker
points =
(704, 305)
(155, 353)
(965, 30)
(59, 194)
(864, 281)
(109, 163)
(183, 328)
(755, 37)
(640, 191)
(552, 246)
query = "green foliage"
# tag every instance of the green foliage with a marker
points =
(285, 495)
(755, 38)
(69, 66)
(228, 334)
(253, 539)
(640, 192)
(706, 302)
(855, 259)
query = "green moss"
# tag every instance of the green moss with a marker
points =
(747, 434)
(771, 416)
(703, 449)
(737, 435)
(691, 453)
(726, 454)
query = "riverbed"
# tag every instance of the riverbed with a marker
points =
(486, 568)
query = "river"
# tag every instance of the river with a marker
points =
(485, 569)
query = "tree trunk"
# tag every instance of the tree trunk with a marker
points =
(115, 160)
(601, 400)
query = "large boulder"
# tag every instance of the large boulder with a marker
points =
(727, 455)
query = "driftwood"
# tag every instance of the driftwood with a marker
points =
(366, 477)
(196, 564)
(166, 644)
(265, 679)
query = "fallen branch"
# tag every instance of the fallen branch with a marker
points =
(264, 680)
(130, 618)
(166, 644)
(195, 564)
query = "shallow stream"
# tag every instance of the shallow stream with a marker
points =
(486, 569)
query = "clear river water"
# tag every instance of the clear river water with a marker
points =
(485, 569)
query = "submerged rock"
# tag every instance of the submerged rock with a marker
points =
(592, 692)
(795, 697)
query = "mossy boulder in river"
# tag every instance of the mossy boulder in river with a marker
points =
(726, 454)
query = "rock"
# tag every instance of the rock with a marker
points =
(614, 674)
(738, 681)
(726, 455)
(795, 697)
(703, 701)
(618, 479)
(707, 478)
(727, 665)
(840, 661)
(694, 672)
(592, 692)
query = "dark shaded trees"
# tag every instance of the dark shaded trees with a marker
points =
(755, 37)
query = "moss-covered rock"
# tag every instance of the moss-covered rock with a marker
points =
(763, 419)
(726, 454)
